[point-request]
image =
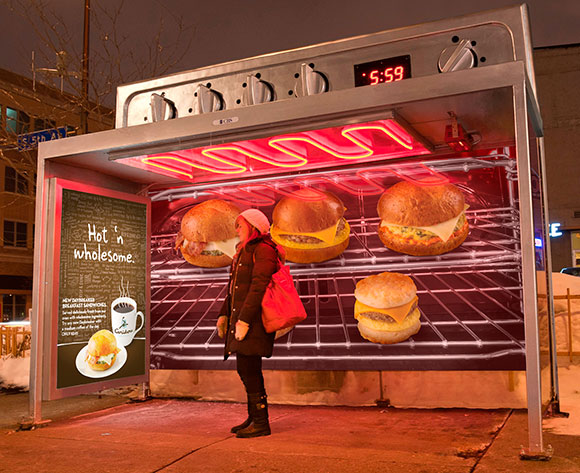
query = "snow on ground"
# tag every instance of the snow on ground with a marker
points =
(568, 377)
(14, 372)
(560, 283)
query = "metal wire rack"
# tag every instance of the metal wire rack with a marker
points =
(470, 303)
(493, 237)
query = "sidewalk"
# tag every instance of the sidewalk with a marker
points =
(170, 436)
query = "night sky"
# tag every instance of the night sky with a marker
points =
(222, 30)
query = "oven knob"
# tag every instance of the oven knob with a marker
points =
(311, 82)
(207, 100)
(457, 58)
(257, 91)
(161, 108)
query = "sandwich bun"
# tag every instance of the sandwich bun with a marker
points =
(386, 308)
(102, 350)
(211, 221)
(208, 261)
(406, 209)
(385, 290)
(311, 255)
(386, 337)
(310, 231)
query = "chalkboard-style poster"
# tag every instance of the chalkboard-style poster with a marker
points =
(102, 292)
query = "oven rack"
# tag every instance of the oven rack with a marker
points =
(493, 238)
(471, 319)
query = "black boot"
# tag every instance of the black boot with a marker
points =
(260, 425)
(247, 422)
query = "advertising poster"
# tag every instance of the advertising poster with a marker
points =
(102, 296)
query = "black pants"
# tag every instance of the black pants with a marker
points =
(250, 371)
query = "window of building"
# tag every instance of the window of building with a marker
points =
(43, 124)
(14, 181)
(17, 121)
(15, 233)
(13, 308)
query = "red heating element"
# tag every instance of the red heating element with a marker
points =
(378, 140)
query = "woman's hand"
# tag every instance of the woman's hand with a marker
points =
(241, 330)
(222, 325)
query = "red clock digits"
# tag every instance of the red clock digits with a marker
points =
(399, 73)
(382, 71)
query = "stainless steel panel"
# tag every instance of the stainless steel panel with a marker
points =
(424, 104)
(496, 37)
(533, 374)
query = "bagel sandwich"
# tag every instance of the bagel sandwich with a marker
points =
(422, 220)
(208, 237)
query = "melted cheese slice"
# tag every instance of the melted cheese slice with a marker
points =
(443, 230)
(228, 247)
(327, 235)
(398, 313)
(106, 359)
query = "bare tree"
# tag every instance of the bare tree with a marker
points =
(115, 58)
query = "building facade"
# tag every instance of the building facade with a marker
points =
(557, 79)
(26, 108)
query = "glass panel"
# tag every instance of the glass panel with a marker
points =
(15, 182)
(17, 121)
(43, 124)
(11, 119)
(7, 307)
(38, 124)
(540, 238)
(21, 185)
(9, 179)
(8, 233)
(21, 234)
(23, 122)
(20, 307)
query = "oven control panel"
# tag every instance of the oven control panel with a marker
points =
(458, 57)
(365, 61)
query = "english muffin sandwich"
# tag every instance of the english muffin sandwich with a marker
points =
(386, 308)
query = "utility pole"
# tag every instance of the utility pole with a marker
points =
(85, 72)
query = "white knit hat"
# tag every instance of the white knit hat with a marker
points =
(257, 218)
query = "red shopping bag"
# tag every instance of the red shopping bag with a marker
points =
(281, 306)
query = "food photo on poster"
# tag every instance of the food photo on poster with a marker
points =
(102, 300)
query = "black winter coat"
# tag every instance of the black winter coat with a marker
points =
(251, 273)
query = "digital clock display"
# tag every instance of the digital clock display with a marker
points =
(383, 71)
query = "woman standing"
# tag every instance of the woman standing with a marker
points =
(240, 320)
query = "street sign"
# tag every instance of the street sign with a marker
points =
(30, 141)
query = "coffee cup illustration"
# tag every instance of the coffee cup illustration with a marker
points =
(124, 319)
